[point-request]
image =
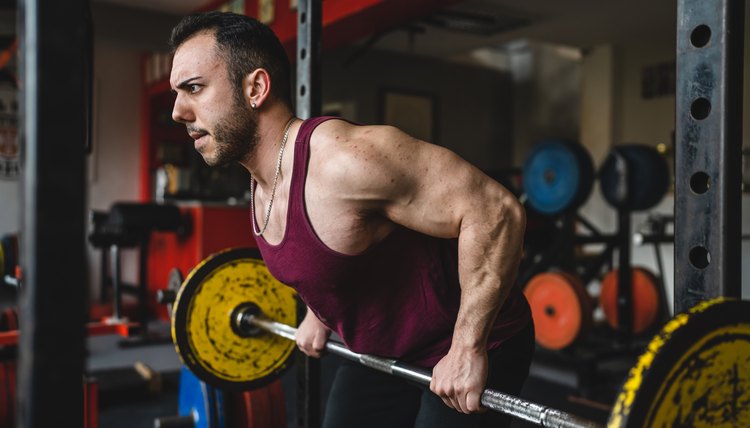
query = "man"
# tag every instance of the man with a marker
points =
(401, 247)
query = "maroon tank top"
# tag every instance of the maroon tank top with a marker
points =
(398, 299)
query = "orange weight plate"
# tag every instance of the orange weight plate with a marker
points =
(560, 307)
(646, 299)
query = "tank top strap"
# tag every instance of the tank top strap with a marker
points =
(301, 157)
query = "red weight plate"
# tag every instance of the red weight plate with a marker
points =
(278, 405)
(262, 407)
(11, 379)
(9, 320)
(5, 405)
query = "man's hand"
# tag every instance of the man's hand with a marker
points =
(312, 335)
(459, 379)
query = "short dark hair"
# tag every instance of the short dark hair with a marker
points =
(244, 43)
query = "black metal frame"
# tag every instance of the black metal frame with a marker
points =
(55, 39)
(309, 104)
(708, 150)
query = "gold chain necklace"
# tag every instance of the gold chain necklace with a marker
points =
(273, 189)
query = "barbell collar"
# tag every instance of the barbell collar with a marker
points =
(495, 400)
(166, 296)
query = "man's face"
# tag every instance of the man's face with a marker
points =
(222, 125)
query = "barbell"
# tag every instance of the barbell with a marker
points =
(232, 327)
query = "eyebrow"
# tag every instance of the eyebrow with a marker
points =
(185, 83)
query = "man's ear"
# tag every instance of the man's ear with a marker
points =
(257, 87)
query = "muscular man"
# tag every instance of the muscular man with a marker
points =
(399, 246)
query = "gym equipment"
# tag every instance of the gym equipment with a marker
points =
(8, 385)
(560, 307)
(210, 343)
(646, 304)
(217, 327)
(702, 351)
(130, 225)
(203, 403)
(264, 407)
(557, 176)
(634, 177)
(693, 373)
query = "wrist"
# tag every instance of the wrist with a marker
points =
(468, 345)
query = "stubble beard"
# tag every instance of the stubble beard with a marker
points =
(235, 136)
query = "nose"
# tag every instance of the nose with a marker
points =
(181, 111)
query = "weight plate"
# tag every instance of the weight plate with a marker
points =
(6, 407)
(261, 408)
(202, 328)
(11, 368)
(204, 403)
(694, 373)
(9, 319)
(634, 177)
(646, 302)
(557, 176)
(560, 307)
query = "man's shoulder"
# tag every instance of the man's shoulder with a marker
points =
(345, 137)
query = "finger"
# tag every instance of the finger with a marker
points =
(310, 351)
(448, 402)
(319, 344)
(306, 349)
(449, 398)
(459, 401)
(473, 402)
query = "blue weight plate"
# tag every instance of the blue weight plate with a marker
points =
(205, 403)
(557, 176)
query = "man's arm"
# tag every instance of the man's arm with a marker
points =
(429, 189)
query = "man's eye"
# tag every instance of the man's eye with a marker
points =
(194, 88)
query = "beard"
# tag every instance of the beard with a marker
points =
(235, 136)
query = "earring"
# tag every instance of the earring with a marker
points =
(254, 106)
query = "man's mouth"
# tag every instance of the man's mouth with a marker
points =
(199, 137)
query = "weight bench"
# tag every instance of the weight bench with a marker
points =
(129, 225)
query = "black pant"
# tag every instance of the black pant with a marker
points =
(361, 397)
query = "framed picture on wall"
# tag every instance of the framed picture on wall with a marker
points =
(413, 112)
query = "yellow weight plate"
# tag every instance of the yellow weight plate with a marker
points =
(202, 321)
(694, 373)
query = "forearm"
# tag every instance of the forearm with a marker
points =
(490, 248)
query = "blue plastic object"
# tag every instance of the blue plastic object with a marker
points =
(557, 176)
(204, 402)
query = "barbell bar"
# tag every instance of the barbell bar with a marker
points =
(250, 320)
(694, 372)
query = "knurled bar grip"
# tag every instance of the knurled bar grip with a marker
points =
(497, 401)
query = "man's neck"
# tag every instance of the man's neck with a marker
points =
(262, 163)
